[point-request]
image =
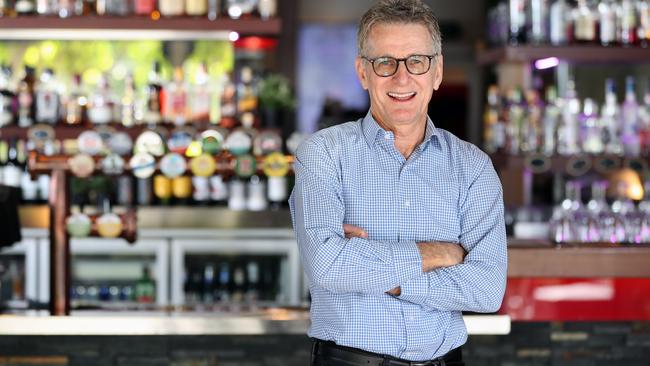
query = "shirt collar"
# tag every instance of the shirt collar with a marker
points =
(372, 131)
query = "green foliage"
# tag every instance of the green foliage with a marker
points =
(275, 92)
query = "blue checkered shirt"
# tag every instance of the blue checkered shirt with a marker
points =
(447, 190)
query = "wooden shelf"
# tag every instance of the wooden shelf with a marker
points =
(557, 163)
(544, 259)
(573, 54)
(132, 28)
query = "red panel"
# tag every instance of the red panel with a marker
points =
(577, 299)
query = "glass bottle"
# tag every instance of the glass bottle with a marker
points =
(65, 8)
(145, 288)
(515, 123)
(75, 105)
(643, 9)
(101, 103)
(154, 96)
(47, 98)
(12, 172)
(630, 120)
(627, 20)
(517, 21)
(644, 121)
(567, 143)
(590, 128)
(607, 26)
(196, 7)
(585, 23)
(538, 32)
(269, 8)
(494, 131)
(531, 129)
(118, 7)
(552, 112)
(611, 119)
(644, 212)
(45, 7)
(560, 24)
(240, 8)
(176, 94)
(7, 97)
(6, 8)
(144, 7)
(214, 9)
(25, 92)
(127, 103)
(201, 96)
(625, 215)
(208, 290)
(171, 8)
(25, 7)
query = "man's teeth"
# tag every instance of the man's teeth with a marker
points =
(401, 95)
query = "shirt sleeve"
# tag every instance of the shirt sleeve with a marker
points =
(478, 284)
(329, 259)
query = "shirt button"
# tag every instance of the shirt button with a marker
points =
(407, 203)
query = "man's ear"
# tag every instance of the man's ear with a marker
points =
(361, 72)
(438, 68)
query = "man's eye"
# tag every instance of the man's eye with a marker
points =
(384, 62)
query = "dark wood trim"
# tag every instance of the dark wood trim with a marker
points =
(573, 53)
(246, 26)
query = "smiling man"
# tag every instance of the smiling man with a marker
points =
(399, 224)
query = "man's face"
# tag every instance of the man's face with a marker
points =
(403, 98)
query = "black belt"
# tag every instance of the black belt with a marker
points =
(330, 351)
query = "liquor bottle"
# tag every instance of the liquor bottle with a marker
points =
(208, 289)
(65, 8)
(607, 28)
(75, 103)
(538, 32)
(25, 92)
(590, 128)
(644, 121)
(643, 8)
(630, 120)
(171, 8)
(7, 97)
(628, 23)
(267, 8)
(552, 112)
(155, 97)
(532, 129)
(118, 7)
(560, 24)
(144, 7)
(196, 7)
(25, 7)
(101, 103)
(517, 21)
(145, 288)
(12, 172)
(247, 94)
(516, 119)
(127, 102)
(240, 8)
(239, 282)
(223, 290)
(176, 93)
(611, 120)
(214, 9)
(567, 143)
(6, 8)
(200, 96)
(47, 98)
(585, 23)
(227, 104)
(491, 119)
(253, 275)
(46, 7)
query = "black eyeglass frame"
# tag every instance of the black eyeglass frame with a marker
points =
(398, 60)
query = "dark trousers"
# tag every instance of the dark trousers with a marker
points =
(326, 353)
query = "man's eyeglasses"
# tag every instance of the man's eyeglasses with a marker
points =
(387, 66)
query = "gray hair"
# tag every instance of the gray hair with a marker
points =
(399, 11)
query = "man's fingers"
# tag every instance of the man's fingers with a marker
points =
(352, 231)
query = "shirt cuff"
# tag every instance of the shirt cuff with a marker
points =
(416, 290)
(406, 261)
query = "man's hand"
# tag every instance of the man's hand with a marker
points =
(352, 231)
(438, 255)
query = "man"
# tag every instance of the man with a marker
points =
(400, 224)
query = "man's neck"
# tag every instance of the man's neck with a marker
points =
(407, 137)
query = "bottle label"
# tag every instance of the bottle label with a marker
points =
(47, 104)
(245, 166)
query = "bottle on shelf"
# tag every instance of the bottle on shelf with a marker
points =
(46, 7)
(531, 134)
(516, 119)
(208, 289)
(128, 102)
(214, 9)
(644, 121)
(644, 23)
(196, 8)
(630, 120)
(560, 23)
(628, 23)
(538, 32)
(25, 7)
(75, 103)
(552, 113)
(25, 93)
(517, 21)
(6, 8)
(590, 128)
(494, 127)
(240, 8)
(101, 103)
(118, 7)
(7, 97)
(176, 93)
(607, 13)
(65, 8)
(267, 8)
(155, 97)
(610, 119)
(201, 98)
(145, 288)
(144, 7)
(568, 143)
(584, 23)
(171, 8)
(48, 100)
(13, 170)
